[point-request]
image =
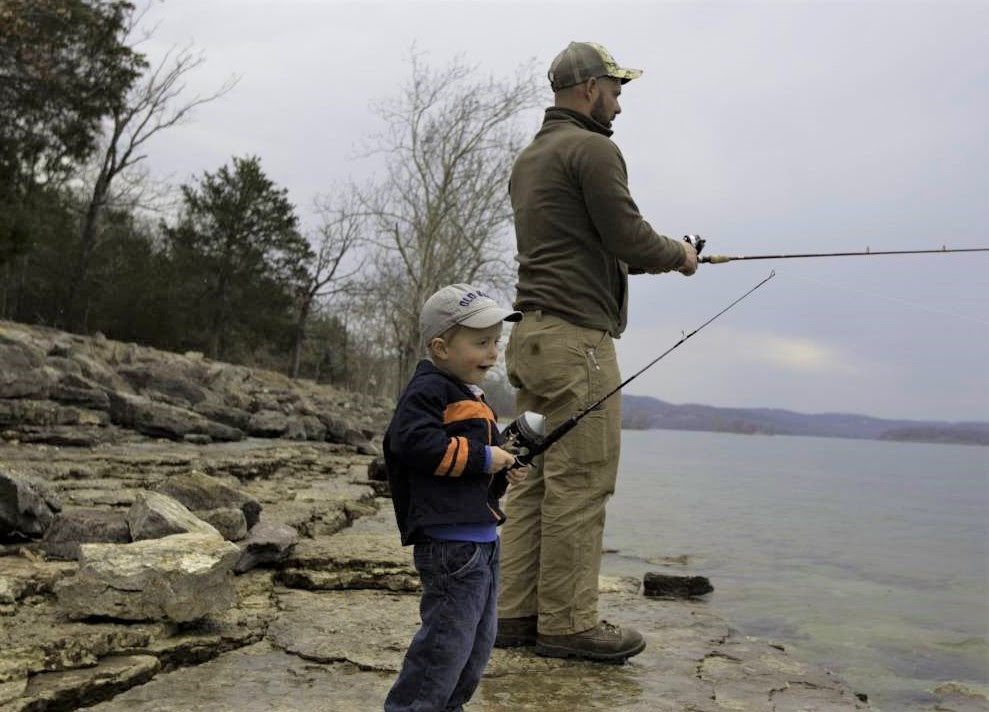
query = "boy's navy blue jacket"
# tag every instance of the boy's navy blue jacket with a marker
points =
(435, 454)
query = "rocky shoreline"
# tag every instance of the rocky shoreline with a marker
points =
(309, 601)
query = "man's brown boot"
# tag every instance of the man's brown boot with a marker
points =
(516, 632)
(604, 643)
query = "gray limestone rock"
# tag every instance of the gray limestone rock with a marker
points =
(27, 505)
(71, 689)
(230, 522)
(266, 543)
(164, 420)
(268, 424)
(84, 526)
(199, 491)
(165, 379)
(228, 415)
(182, 577)
(154, 515)
(351, 561)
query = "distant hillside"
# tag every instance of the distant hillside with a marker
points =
(647, 413)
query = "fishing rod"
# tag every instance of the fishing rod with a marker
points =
(526, 435)
(718, 259)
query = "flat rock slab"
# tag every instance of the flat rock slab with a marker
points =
(351, 560)
(72, 689)
(21, 577)
(346, 647)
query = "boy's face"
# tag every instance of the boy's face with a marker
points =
(469, 354)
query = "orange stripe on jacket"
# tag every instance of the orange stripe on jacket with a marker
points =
(465, 410)
(455, 458)
(460, 464)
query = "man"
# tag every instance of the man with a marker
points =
(579, 235)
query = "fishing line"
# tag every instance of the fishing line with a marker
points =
(573, 419)
(900, 300)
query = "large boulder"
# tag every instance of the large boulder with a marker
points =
(200, 493)
(84, 526)
(180, 578)
(27, 505)
(154, 515)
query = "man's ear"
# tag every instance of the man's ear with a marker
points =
(590, 88)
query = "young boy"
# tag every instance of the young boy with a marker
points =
(447, 473)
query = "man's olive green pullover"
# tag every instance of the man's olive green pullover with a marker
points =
(578, 230)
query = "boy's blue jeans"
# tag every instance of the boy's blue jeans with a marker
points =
(444, 662)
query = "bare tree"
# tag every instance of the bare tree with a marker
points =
(340, 231)
(154, 104)
(440, 213)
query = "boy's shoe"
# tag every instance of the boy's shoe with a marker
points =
(516, 632)
(603, 643)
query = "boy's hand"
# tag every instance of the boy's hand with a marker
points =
(500, 459)
(504, 460)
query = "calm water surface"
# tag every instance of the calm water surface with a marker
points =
(868, 557)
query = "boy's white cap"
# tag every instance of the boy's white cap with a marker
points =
(461, 304)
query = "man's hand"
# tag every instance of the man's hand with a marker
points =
(689, 265)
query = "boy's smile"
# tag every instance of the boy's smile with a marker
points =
(469, 353)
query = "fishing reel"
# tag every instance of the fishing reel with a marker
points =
(525, 437)
(695, 241)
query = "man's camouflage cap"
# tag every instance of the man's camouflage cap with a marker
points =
(581, 61)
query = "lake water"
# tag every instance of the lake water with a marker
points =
(870, 558)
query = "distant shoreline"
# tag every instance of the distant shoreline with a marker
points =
(648, 413)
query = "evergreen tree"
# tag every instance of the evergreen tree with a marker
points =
(239, 256)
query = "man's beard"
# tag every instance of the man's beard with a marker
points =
(598, 113)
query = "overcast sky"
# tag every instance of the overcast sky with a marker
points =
(769, 127)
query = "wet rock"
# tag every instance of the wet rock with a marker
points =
(84, 526)
(667, 586)
(154, 515)
(199, 491)
(182, 577)
(27, 505)
(266, 544)
(956, 697)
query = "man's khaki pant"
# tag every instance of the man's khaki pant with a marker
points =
(551, 543)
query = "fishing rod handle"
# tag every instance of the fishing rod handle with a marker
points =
(715, 259)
